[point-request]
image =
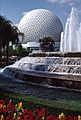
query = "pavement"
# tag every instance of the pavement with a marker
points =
(41, 91)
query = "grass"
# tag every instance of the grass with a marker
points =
(54, 106)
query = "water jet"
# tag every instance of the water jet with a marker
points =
(71, 37)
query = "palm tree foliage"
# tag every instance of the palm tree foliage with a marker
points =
(8, 33)
(47, 44)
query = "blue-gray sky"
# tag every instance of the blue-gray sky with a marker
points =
(14, 9)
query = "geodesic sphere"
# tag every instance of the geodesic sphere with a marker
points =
(40, 23)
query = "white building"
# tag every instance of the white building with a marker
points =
(37, 24)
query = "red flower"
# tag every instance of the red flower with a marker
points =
(50, 117)
(70, 117)
(13, 109)
(26, 117)
(32, 117)
(65, 118)
(19, 118)
(9, 117)
(25, 112)
(75, 118)
(30, 113)
(10, 103)
(2, 102)
(57, 118)
(5, 109)
(43, 112)
(39, 116)
(36, 110)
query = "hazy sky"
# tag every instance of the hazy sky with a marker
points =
(14, 9)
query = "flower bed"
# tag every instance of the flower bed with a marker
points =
(11, 111)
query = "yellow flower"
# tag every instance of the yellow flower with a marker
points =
(14, 115)
(4, 106)
(20, 104)
(43, 118)
(2, 117)
(61, 116)
(79, 117)
(1, 105)
(10, 101)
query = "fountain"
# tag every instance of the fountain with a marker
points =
(71, 38)
(55, 67)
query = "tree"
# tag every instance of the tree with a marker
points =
(47, 44)
(8, 33)
(2, 32)
(11, 37)
(8, 36)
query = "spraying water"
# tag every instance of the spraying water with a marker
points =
(71, 37)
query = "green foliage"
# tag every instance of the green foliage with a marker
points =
(19, 51)
(22, 52)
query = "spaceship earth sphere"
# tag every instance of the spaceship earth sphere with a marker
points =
(40, 23)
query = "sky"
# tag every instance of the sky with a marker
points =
(15, 9)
